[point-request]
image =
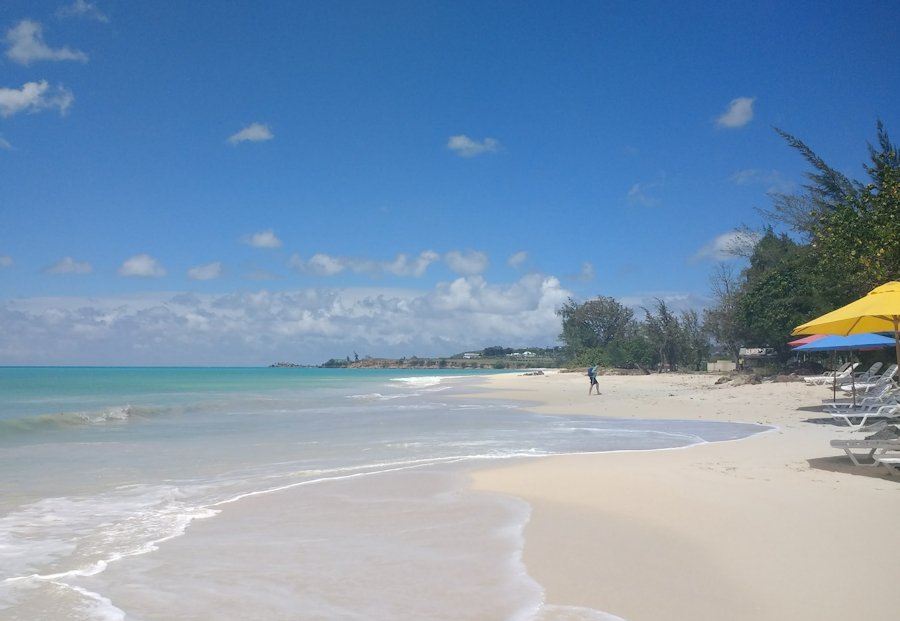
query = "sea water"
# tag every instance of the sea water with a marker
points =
(152, 494)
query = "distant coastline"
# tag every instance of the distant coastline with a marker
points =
(422, 363)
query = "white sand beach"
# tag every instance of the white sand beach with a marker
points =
(777, 526)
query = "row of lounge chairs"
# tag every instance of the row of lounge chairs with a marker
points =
(882, 400)
(869, 379)
(876, 396)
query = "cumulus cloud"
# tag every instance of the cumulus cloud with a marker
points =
(516, 259)
(416, 267)
(5, 261)
(258, 327)
(142, 266)
(469, 262)
(464, 146)
(82, 8)
(730, 245)
(255, 132)
(26, 45)
(738, 114)
(68, 265)
(325, 265)
(321, 264)
(34, 97)
(210, 271)
(262, 239)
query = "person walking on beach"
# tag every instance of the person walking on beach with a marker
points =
(592, 375)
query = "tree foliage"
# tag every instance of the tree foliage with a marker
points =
(664, 331)
(847, 241)
(595, 323)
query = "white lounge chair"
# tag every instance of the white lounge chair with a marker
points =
(875, 448)
(828, 376)
(886, 394)
(863, 377)
(885, 411)
(873, 382)
(891, 463)
(837, 379)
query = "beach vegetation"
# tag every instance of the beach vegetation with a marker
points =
(720, 321)
(842, 240)
(595, 323)
(602, 331)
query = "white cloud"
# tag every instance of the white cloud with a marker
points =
(263, 239)
(322, 264)
(34, 97)
(516, 259)
(467, 263)
(82, 8)
(259, 327)
(325, 265)
(730, 245)
(210, 271)
(738, 114)
(142, 265)
(68, 265)
(255, 132)
(4, 144)
(404, 266)
(464, 146)
(26, 45)
(5, 262)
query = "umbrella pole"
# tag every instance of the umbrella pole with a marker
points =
(897, 338)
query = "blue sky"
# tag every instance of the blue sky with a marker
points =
(243, 182)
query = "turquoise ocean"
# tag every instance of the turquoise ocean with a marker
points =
(153, 494)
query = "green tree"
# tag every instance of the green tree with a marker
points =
(853, 228)
(781, 289)
(593, 324)
(860, 238)
(664, 333)
(694, 340)
(826, 188)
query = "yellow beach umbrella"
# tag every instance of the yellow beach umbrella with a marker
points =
(878, 311)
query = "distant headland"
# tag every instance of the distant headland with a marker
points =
(487, 358)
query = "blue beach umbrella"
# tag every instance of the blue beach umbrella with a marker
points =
(834, 342)
(854, 341)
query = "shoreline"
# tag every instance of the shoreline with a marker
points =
(777, 526)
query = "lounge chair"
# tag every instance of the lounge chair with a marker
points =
(884, 411)
(876, 450)
(891, 463)
(870, 374)
(837, 379)
(873, 382)
(828, 376)
(886, 394)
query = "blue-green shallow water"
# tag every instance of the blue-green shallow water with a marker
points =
(103, 467)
